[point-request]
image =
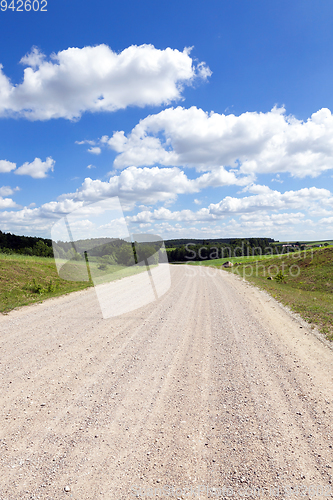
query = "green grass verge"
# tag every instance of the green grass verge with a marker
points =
(25, 280)
(219, 262)
(307, 287)
(320, 242)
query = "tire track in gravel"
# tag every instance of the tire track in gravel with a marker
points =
(283, 417)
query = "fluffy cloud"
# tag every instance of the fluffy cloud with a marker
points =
(271, 221)
(262, 209)
(92, 143)
(164, 214)
(327, 221)
(273, 200)
(7, 203)
(7, 190)
(137, 185)
(234, 228)
(252, 209)
(95, 150)
(34, 59)
(134, 186)
(152, 185)
(6, 166)
(251, 143)
(37, 169)
(76, 80)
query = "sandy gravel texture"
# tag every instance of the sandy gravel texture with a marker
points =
(212, 385)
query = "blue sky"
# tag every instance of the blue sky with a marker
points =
(206, 118)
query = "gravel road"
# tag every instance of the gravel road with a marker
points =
(213, 388)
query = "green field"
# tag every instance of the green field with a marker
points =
(219, 262)
(25, 280)
(307, 286)
(321, 242)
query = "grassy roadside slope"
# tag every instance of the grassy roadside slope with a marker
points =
(25, 280)
(307, 287)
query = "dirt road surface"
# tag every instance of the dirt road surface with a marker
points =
(209, 392)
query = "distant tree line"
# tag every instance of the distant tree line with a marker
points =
(210, 249)
(107, 250)
(26, 245)
(208, 241)
(119, 251)
(110, 251)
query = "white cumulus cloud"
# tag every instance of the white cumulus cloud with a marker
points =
(152, 185)
(95, 150)
(37, 169)
(251, 143)
(268, 199)
(34, 59)
(77, 80)
(256, 208)
(164, 214)
(7, 203)
(6, 166)
(136, 186)
(7, 190)
(271, 221)
(326, 221)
